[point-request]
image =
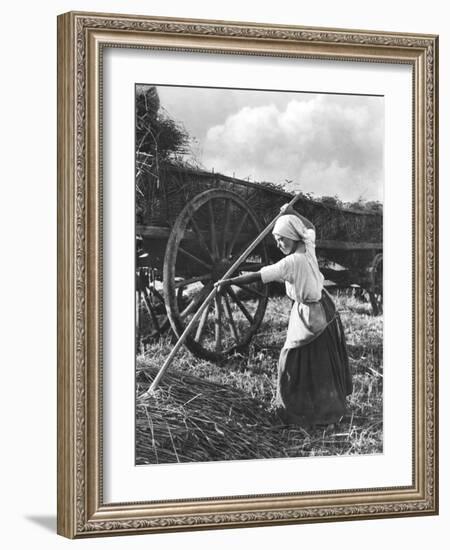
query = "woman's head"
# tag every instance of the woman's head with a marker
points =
(288, 233)
(285, 244)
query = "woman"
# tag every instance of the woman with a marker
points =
(313, 371)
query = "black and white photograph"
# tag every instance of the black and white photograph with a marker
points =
(259, 274)
(221, 289)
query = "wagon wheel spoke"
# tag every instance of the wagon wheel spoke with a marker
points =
(214, 244)
(229, 315)
(218, 322)
(151, 314)
(196, 300)
(240, 304)
(151, 310)
(242, 248)
(201, 326)
(236, 234)
(226, 228)
(376, 286)
(193, 257)
(201, 238)
(186, 282)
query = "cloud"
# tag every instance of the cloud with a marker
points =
(325, 144)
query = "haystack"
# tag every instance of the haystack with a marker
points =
(193, 420)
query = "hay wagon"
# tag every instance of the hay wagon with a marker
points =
(191, 225)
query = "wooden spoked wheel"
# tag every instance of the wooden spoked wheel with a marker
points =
(151, 315)
(209, 234)
(376, 284)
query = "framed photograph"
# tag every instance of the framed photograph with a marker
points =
(247, 282)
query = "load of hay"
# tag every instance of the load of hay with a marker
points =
(169, 191)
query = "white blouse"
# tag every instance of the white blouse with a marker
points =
(302, 283)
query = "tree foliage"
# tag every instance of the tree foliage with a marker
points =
(360, 205)
(365, 206)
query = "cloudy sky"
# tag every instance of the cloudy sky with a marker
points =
(326, 144)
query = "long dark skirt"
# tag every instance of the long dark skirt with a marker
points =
(314, 380)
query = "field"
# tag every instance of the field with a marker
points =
(203, 411)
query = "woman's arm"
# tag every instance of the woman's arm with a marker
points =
(289, 210)
(242, 279)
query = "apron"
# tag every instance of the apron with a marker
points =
(308, 320)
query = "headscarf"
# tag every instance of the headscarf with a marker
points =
(292, 227)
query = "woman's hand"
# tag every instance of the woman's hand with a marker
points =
(286, 209)
(221, 285)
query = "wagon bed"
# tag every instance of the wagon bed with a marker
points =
(348, 237)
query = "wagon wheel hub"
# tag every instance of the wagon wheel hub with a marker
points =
(219, 269)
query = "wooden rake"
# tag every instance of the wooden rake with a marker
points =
(209, 298)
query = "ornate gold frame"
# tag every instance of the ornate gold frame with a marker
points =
(81, 37)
